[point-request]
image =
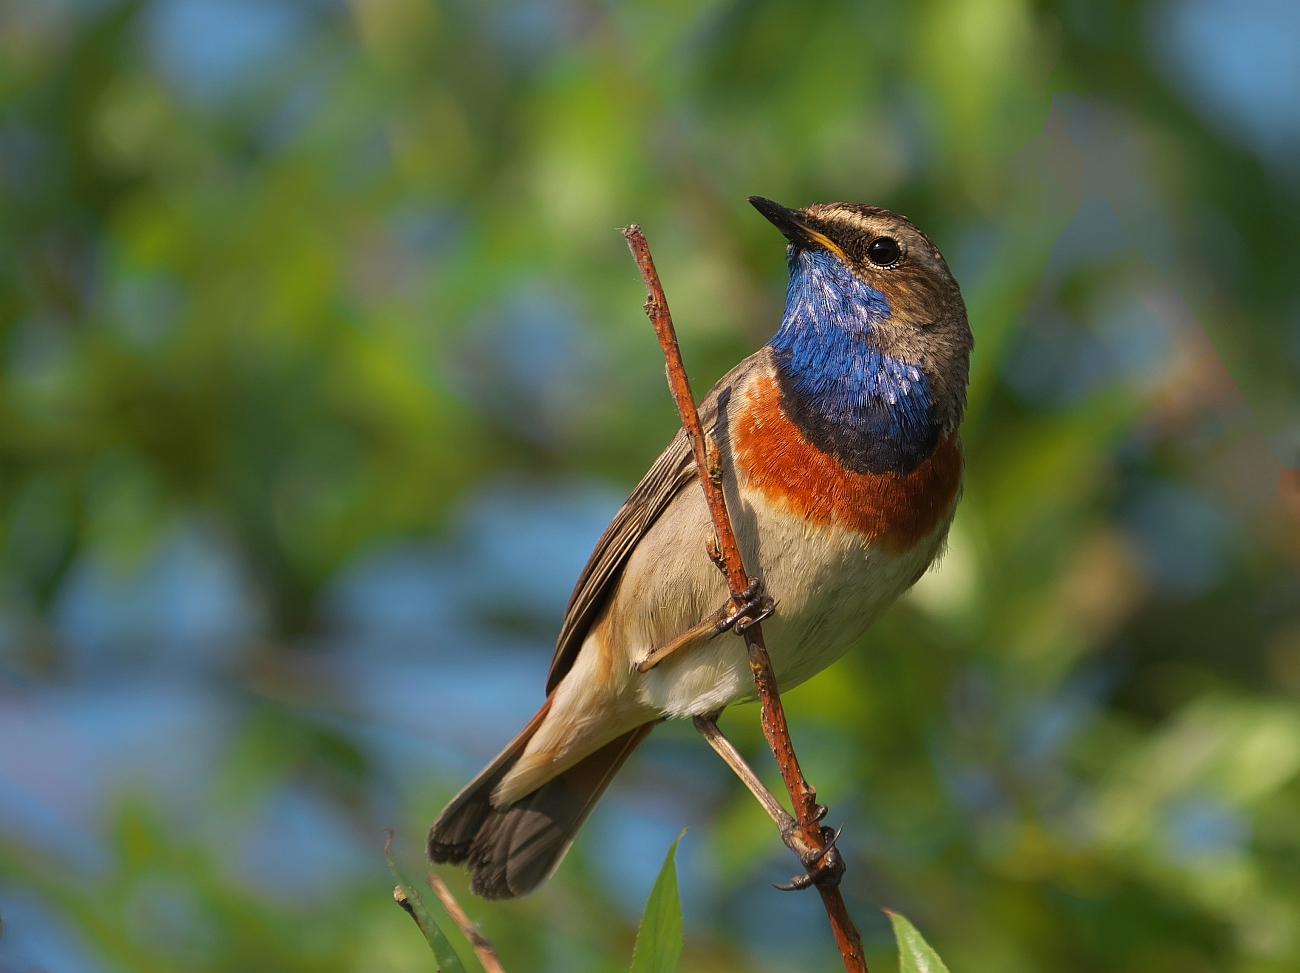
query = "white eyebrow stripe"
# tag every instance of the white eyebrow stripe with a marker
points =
(854, 218)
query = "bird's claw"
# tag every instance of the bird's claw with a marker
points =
(753, 608)
(824, 868)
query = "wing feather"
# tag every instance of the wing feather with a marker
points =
(672, 472)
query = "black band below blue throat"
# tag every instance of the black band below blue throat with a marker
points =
(867, 436)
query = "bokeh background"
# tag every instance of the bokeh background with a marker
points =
(322, 365)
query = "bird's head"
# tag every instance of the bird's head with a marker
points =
(864, 277)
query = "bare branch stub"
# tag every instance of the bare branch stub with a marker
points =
(400, 898)
(810, 842)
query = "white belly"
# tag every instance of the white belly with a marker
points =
(829, 588)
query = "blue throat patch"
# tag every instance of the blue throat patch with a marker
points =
(870, 411)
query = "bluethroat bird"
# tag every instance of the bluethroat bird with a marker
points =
(842, 467)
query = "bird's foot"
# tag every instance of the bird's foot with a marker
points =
(738, 614)
(824, 867)
(751, 606)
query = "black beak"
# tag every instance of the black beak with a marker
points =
(790, 223)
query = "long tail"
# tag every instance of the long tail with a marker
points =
(513, 850)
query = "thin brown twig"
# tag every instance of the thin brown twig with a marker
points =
(487, 954)
(802, 794)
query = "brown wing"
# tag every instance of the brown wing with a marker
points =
(671, 472)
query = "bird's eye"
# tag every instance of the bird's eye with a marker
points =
(884, 251)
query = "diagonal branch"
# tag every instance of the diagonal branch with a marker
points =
(483, 948)
(812, 842)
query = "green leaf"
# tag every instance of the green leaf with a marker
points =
(448, 961)
(659, 937)
(914, 954)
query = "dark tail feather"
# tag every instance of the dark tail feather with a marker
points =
(453, 833)
(512, 851)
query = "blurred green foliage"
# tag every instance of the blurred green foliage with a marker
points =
(659, 934)
(313, 276)
(915, 955)
(444, 953)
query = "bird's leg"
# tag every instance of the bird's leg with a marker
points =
(749, 608)
(698, 630)
(785, 822)
(824, 866)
